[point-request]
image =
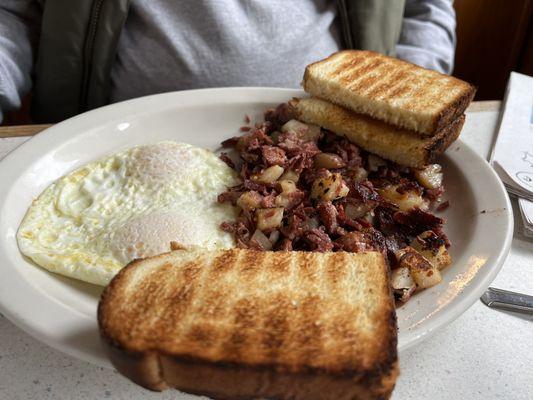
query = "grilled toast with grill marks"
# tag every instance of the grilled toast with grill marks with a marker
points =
(395, 144)
(239, 324)
(388, 89)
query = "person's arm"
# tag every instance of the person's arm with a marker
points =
(19, 27)
(428, 34)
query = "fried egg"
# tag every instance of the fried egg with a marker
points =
(132, 204)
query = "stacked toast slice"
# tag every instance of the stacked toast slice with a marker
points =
(400, 111)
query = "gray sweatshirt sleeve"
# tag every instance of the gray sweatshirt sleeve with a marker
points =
(19, 27)
(428, 34)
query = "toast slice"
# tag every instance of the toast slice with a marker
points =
(392, 143)
(388, 89)
(239, 324)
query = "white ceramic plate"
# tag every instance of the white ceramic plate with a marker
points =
(61, 312)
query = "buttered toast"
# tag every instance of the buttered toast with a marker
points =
(388, 89)
(239, 324)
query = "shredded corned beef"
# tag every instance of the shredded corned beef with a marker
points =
(273, 155)
(328, 216)
(318, 240)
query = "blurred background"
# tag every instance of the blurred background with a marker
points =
(494, 37)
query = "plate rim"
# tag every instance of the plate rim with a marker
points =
(484, 281)
(59, 131)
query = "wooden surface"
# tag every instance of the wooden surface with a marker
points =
(492, 41)
(21, 130)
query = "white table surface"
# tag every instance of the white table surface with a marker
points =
(484, 354)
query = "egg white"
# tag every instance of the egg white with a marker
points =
(132, 204)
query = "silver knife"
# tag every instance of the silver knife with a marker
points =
(506, 300)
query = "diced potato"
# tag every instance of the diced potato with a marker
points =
(423, 272)
(358, 174)
(290, 175)
(269, 175)
(307, 132)
(274, 237)
(329, 188)
(438, 257)
(401, 278)
(261, 241)
(249, 200)
(374, 162)
(284, 199)
(441, 259)
(402, 283)
(288, 186)
(426, 277)
(328, 160)
(430, 177)
(294, 126)
(269, 218)
(405, 201)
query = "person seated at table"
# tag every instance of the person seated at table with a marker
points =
(77, 55)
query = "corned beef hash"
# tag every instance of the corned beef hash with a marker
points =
(306, 188)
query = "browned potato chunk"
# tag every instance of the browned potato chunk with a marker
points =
(402, 283)
(437, 256)
(430, 177)
(284, 199)
(358, 174)
(269, 175)
(329, 188)
(424, 274)
(405, 201)
(294, 126)
(269, 218)
(328, 160)
(249, 200)
(307, 132)
(401, 278)
(290, 175)
(288, 186)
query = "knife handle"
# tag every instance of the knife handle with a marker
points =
(506, 300)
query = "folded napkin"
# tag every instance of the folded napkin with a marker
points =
(526, 211)
(512, 156)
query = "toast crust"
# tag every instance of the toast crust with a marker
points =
(396, 144)
(158, 364)
(444, 139)
(394, 91)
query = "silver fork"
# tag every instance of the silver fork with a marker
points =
(506, 300)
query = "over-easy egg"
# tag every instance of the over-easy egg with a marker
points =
(132, 204)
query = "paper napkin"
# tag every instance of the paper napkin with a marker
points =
(512, 157)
